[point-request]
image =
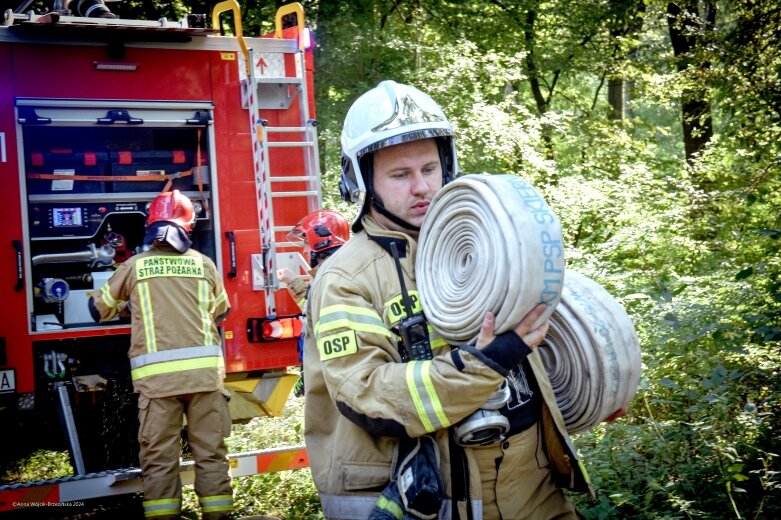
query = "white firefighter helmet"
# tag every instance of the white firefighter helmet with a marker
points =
(391, 113)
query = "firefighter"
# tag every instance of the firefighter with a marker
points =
(320, 234)
(381, 384)
(175, 298)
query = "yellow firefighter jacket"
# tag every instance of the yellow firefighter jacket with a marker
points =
(361, 397)
(175, 301)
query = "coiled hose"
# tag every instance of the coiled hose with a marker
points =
(489, 243)
(492, 243)
(591, 354)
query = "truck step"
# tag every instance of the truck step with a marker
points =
(125, 481)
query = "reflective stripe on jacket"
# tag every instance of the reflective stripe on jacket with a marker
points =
(175, 301)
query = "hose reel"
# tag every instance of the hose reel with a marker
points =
(488, 240)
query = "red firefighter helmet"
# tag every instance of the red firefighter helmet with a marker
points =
(172, 206)
(320, 231)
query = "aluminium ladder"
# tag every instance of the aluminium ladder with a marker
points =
(277, 91)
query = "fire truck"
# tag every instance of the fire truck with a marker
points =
(97, 117)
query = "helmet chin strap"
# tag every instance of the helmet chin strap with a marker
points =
(377, 204)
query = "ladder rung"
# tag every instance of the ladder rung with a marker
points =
(294, 193)
(266, 81)
(288, 244)
(289, 144)
(282, 129)
(293, 179)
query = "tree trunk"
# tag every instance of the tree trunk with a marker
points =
(628, 21)
(534, 80)
(686, 27)
(617, 98)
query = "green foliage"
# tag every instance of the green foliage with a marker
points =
(40, 465)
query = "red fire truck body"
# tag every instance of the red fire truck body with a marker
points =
(96, 119)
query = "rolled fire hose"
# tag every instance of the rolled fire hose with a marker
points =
(591, 354)
(492, 243)
(487, 240)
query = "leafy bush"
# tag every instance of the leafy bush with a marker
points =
(40, 465)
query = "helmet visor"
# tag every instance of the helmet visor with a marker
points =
(297, 237)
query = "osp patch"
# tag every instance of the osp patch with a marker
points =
(337, 345)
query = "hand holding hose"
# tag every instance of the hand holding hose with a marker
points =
(530, 336)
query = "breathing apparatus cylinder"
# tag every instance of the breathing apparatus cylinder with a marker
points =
(486, 425)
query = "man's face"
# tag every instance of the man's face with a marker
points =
(406, 178)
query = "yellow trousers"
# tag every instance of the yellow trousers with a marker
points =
(159, 437)
(516, 482)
